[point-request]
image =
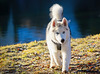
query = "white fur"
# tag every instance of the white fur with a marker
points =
(56, 11)
(51, 35)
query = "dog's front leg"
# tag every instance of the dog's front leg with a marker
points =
(66, 56)
(57, 58)
(52, 64)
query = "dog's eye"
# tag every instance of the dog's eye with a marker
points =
(57, 33)
(66, 29)
(63, 32)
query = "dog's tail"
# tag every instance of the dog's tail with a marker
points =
(56, 11)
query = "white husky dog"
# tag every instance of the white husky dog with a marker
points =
(58, 38)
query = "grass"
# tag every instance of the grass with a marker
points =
(33, 57)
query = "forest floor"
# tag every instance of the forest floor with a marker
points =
(33, 57)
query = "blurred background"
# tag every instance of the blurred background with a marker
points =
(26, 20)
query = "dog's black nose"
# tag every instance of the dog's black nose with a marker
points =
(62, 40)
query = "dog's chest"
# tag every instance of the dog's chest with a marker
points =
(58, 46)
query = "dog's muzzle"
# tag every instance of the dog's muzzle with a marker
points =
(62, 40)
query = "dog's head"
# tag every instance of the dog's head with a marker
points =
(60, 30)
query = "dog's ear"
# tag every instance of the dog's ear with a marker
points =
(53, 22)
(65, 21)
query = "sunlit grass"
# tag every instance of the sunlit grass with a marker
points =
(34, 57)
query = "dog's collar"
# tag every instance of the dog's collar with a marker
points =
(57, 44)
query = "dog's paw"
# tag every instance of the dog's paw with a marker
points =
(52, 67)
(65, 72)
(57, 68)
